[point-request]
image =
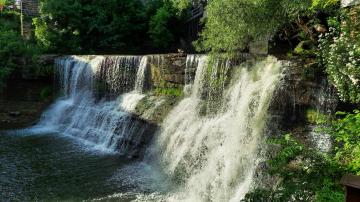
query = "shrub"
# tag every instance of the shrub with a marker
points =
(178, 92)
(340, 53)
(14, 50)
(306, 175)
(346, 132)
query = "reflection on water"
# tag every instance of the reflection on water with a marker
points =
(52, 167)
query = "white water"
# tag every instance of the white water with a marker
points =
(207, 157)
(141, 75)
(118, 73)
(105, 124)
(214, 158)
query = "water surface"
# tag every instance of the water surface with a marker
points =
(53, 167)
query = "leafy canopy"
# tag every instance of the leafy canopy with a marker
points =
(231, 24)
(12, 45)
(83, 26)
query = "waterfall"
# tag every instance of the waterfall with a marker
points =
(102, 122)
(190, 70)
(213, 157)
(118, 73)
(141, 75)
(208, 145)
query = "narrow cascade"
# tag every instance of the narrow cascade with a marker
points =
(117, 74)
(214, 157)
(141, 75)
(103, 123)
(190, 71)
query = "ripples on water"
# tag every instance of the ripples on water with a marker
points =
(53, 167)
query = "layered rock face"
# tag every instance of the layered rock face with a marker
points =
(297, 93)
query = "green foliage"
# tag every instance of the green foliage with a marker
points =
(159, 32)
(10, 20)
(231, 24)
(14, 51)
(79, 25)
(46, 93)
(324, 4)
(307, 175)
(13, 48)
(340, 53)
(290, 150)
(346, 132)
(82, 26)
(2, 2)
(315, 117)
(178, 92)
(305, 48)
(182, 4)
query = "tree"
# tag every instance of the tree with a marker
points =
(85, 26)
(13, 48)
(231, 24)
(2, 4)
(159, 26)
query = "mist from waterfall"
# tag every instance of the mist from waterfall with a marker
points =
(103, 123)
(213, 157)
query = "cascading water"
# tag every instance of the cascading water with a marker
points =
(117, 73)
(104, 123)
(208, 147)
(213, 157)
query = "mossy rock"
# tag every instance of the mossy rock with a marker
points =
(305, 48)
(154, 108)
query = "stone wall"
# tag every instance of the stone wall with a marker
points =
(29, 10)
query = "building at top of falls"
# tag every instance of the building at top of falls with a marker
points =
(29, 10)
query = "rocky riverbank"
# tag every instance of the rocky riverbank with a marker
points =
(22, 103)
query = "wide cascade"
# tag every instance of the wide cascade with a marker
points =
(212, 154)
(207, 148)
(90, 108)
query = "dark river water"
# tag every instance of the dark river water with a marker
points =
(53, 167)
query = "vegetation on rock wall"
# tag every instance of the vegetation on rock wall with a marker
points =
(177, 92)
(346, 132)
(307, 174)
(340, 54)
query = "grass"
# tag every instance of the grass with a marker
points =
(178, 92)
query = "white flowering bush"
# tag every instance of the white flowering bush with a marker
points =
(340, 53)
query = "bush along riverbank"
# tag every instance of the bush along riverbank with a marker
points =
(19, 58)
(302, 172)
